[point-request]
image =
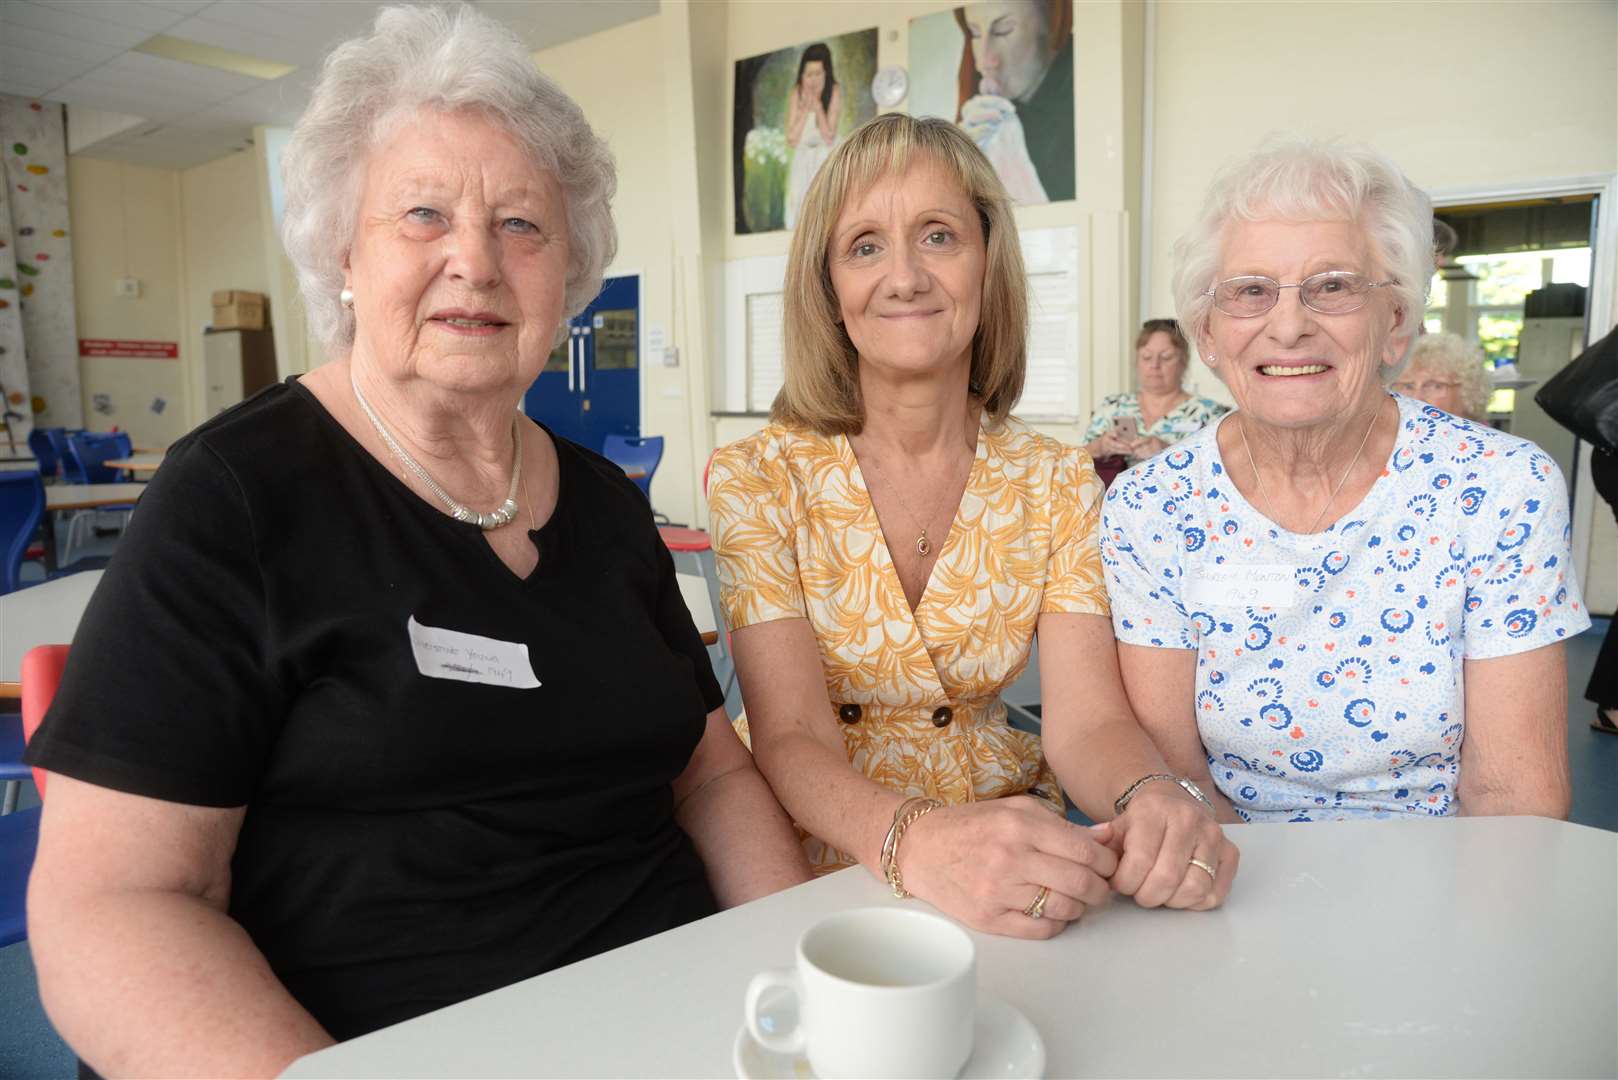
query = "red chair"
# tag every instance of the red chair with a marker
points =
(41, 675)
(19, 832)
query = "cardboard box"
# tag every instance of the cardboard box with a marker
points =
(234, 309)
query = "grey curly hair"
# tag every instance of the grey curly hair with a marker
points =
(1453, 356)
(432, 58)
(1291, 178)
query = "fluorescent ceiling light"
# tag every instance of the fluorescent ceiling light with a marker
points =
(193, 52)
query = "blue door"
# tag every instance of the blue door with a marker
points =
(590, 386)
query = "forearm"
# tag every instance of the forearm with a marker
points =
(1097, 765)
(1541, 792)
(743, 837)
(824, 794)
(153, 983)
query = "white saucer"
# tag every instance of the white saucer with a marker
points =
(1005, 1045)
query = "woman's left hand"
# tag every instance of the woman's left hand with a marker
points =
(1157, 838)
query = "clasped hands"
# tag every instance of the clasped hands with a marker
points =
(986, 863)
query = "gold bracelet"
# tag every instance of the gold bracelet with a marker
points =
(909, 812)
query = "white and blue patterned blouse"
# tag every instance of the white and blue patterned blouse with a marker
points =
(1329, 666)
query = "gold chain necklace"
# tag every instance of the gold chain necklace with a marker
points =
(924, 546)
(1270, 507)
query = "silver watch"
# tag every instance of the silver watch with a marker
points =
(1191, 789)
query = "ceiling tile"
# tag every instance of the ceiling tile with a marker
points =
(254, 42)
(123, 12)
(58, 45)
(31, 67)
(175, 74)
(137, 100)
(68, 24)
(21, 88)
(183, 7)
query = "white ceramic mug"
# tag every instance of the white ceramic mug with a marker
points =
(882, 992)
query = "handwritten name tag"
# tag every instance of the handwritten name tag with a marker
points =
(450, 654)
(1270, 585)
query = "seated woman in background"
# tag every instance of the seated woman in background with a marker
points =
(280, 814)
(1445, 370)
(1344, 603)
(888, 547)
(1131, 427)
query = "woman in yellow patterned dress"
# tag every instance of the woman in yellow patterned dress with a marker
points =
(888, 548)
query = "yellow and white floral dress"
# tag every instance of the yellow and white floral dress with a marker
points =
(796, 537)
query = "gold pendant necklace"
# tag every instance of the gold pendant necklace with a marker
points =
(924, 546)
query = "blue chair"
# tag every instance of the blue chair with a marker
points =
(12, 771)
(22, 508)
(19, 837)
(49, 447)
(88, 451)
(629, 452)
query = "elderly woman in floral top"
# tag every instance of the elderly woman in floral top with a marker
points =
(1163, 411)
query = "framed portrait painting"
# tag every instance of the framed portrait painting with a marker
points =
(1003, 71)
(791, 108)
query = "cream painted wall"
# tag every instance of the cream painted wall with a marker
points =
(223, 247)
(126, 224)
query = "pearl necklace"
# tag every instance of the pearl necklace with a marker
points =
(459, 511)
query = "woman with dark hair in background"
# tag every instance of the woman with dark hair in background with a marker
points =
(812, 110)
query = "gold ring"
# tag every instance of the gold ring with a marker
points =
(1205, 868)
(1036, 910)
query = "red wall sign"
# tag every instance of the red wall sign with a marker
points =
(148, 350)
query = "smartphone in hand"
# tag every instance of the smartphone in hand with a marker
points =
(1126, 428)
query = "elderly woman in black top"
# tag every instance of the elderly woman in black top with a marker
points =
(389, 697)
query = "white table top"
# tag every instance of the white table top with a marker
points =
(1465, 947)
(87, 496)
(43, 614)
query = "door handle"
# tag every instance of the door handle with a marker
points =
(583, 333)
(572, 343)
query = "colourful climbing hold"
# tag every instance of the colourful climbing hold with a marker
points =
(7, 283)
(27, 289)
(21, 148)
(24, 268)
(39, 170)
(58, 233)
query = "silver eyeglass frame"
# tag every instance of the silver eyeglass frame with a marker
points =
(1213, 293)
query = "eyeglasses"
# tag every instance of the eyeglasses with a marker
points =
(1334, 292)
(1424, 388)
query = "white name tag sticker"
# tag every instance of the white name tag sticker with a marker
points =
(450, 654)
(1259, 585)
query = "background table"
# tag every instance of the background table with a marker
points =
(1465, 947)
(137, 463)
(44, 614)
(694, 591)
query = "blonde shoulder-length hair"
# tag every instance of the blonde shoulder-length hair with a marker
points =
(821, 388)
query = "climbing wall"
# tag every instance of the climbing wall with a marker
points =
(39, 368)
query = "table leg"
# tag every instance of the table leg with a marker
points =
(49, 526)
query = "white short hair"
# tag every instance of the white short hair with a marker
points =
(432, 58)
(1452, 355)
(1290, 178)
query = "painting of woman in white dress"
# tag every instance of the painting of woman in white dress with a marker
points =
(815, 100)
(791, 107)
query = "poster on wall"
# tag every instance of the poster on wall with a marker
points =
(792, 106)
(1003, 72)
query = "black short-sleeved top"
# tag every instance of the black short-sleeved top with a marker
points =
(409, 841)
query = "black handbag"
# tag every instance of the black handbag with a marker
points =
(1583, 397)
